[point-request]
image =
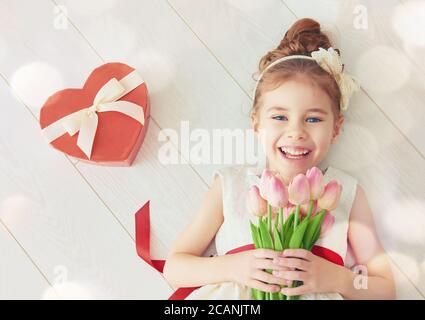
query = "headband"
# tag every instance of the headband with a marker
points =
(329, 61)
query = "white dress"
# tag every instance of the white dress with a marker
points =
(235, 231)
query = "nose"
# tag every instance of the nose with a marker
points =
(296, 132)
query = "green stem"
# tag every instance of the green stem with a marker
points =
(260, 240)
(310, 209)
(269, 217)
(281, 222)
(281, 218)
(297, 211)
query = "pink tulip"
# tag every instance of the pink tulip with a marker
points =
(330, 197)
(265, 183)
(315, 180)
(256, 205)
(299, 190)
(277, 193)
(327, 223)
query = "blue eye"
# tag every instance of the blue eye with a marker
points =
(318, 120)
(280, 118)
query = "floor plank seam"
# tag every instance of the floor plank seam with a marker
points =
(209, 50)
(29, 257)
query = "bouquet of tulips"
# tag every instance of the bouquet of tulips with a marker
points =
(294, 217)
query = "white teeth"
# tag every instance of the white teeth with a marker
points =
(294, 152)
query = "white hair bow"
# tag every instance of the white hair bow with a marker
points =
(330, 61)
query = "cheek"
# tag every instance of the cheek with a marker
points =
(322, 133)
(268, 131)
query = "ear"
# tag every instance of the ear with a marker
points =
(337, 129)
(254, 123)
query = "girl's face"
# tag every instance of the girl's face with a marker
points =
(296, 116)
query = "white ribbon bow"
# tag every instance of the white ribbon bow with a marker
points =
(330, 61)
(85, 120)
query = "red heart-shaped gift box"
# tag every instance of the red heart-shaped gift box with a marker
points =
(118, 137)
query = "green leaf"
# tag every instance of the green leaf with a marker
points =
(298, 235)
(280, 225)
(287, 228)
(260, 240)
(255, 235)
(297, 216)
(269, 217)
(266, 237)
(312, 228)
(276, 221)
(289, 221)
(278, 246)
(316, 237)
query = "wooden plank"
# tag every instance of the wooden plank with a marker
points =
(61, 222)
(405, 289)
(400, 173)
(184, 79)
(19, 277)
(175, 192)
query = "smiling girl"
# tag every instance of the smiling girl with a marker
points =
(297, 114)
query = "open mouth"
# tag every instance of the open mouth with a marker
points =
(298, 155)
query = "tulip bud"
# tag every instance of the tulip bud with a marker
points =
(265, 183)
(277, 193)
(330, 197)
(299, 190)
(315, 180)
(256, 205)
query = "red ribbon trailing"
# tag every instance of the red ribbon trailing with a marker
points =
(143, 250)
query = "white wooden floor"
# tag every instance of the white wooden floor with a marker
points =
(67, 228)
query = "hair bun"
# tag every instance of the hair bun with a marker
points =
(303, 37)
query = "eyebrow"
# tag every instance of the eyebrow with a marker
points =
(318, 110)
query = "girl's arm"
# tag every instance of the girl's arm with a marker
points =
(368, 253)
(184, 266)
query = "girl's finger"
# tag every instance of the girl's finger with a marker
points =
(292, 263)
(291, 275)
(298, 253)
(266, 253)
(296, 291)
(263, 286)
(268, 264)
(268, 278)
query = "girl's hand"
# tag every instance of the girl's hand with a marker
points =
(248, 269)
(317, 274)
